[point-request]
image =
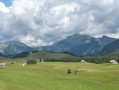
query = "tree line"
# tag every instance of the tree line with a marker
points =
(91, 59)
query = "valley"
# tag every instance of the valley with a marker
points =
(55, 61)
(53, 76)
(59, 45)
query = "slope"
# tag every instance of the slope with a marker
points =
(48, 56)
(112, 48)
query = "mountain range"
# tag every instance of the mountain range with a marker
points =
(79, 45)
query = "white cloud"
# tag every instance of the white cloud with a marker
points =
(108, 1)
(41, 43)
(31, 41)
(42, 22)
(3, 8)
(27, 39)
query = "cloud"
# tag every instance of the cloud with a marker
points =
(43, 22)
(3, 9)
(27, 39)
(30, 40)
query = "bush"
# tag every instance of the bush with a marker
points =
(69, 71)
(31, 61)
(12, 63)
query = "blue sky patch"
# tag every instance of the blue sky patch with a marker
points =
(7, 2)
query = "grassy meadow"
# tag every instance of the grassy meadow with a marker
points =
(53, 76)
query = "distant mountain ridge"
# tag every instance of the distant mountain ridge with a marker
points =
(80, 45)
(14, 47)
(112, 48)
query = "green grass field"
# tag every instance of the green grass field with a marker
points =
(53, 76)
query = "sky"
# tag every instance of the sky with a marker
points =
(7, 2)
(44, 22)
